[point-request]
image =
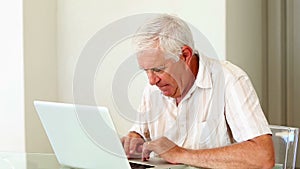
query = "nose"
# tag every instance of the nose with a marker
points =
(152, 77)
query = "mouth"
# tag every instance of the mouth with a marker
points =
(163, 87)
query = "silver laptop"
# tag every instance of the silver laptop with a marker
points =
(85, 137)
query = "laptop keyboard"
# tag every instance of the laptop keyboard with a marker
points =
(139, 166)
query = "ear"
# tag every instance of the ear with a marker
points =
(187, 54)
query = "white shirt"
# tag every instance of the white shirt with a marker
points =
(221, 108)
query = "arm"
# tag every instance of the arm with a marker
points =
(255, 153)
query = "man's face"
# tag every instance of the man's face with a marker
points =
(162, 70)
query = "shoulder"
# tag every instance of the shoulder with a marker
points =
(232, 70)
(223, 71)
(217, 67)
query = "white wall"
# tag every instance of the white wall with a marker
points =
(78, 21)
(40, 70)
(12, 132)
(27, 70)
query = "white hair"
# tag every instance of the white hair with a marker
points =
(166, 32)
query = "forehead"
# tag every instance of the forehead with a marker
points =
(151, 58)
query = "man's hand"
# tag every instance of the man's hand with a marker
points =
(133, 145)
(164, 147)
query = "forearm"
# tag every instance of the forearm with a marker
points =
(242, 155)
(225, 157)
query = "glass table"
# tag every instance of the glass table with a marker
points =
(13, 160)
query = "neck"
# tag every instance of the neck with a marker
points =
(195, 65)
(178, 100)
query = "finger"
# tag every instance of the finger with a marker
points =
(134, 144)
(126, 145)
(146, 155)
(135, 147)
(146, 151)
(139, 148)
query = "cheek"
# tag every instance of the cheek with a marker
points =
(168, 78)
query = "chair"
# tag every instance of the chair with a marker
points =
(285, 141)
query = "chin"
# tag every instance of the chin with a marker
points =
(168, 94)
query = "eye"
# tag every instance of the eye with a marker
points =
(159, 69)
(156, 70)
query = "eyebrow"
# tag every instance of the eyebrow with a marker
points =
(161, 67)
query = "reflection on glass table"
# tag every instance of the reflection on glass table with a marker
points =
(285, 141)
(13, 160)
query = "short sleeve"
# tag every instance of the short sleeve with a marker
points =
(243, 112)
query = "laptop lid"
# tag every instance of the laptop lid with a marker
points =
(82, 136)
(85, 137)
